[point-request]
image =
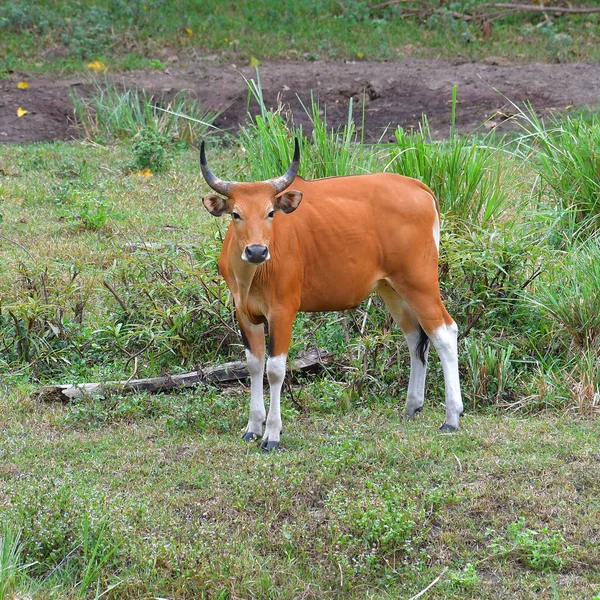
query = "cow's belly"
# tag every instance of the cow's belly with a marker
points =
(337, 293)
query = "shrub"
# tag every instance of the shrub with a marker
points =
(151, 150)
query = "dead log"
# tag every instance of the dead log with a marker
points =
(229, 372)
(563, 10)
(157, 246)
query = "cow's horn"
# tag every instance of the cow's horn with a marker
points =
(285, 180)
(220, 186)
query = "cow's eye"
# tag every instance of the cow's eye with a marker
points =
(236, 216)
(271, 214)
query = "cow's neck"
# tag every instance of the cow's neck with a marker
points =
(244, 276)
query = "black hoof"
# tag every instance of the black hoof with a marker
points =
(448, 428)
(269, 446)
(250, 437)
(410, 416)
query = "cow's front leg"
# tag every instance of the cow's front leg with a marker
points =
(280, 333)
(254, 341)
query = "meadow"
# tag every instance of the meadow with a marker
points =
(108, 272)
(63, 36)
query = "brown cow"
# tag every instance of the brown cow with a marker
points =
(349, 236)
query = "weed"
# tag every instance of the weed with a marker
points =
(542, 550)
(465, 579)
(40, 318)
(91, 212)
(376, 525)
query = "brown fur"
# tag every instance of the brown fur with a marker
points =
(348, 237)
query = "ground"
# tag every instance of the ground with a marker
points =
(396, 93)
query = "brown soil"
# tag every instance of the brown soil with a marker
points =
(396, 93)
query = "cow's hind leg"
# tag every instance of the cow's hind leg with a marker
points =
(418, 346)
(254, 341)
(424, 300)
(445, 340)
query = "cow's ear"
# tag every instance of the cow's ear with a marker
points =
(215, 204)
(289, 201)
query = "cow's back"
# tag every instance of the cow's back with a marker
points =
(350, 232)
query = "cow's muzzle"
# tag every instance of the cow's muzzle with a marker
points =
(256, 254)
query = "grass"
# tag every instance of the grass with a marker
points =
(567, 156)
(66, 36)
(110, 274)
(80, 222)
(340, 513)
(12, 568)
(111, 112)
(575, 307)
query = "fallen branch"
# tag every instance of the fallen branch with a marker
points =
(427, 9)
(227, 373)
(543, 8)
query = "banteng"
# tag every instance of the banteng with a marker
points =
(296, 245)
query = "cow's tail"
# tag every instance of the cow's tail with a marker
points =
(422, 345)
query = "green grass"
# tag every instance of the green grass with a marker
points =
(567, 157)
(113, 111)
(83, 206)
(363, 505)
(64, 36)
(156, 496)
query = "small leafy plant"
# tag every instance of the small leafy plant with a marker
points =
(542, 550)
(92, 212)
(151, 150)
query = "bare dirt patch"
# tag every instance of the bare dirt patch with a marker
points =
(394, 93)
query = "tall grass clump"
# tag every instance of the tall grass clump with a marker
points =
(112, 112)
(566, 155)
(337, 152)
(570, 295)
(12, 565)
(269, 141)
(465, 175)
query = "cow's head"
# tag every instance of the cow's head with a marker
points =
(252, 206)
